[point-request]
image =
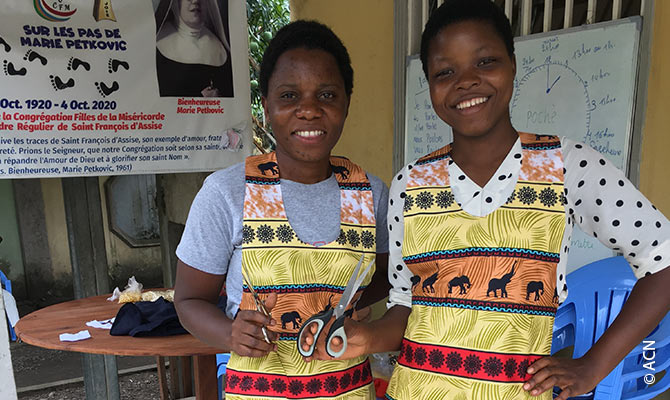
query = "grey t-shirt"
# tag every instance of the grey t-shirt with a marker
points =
(212, 240)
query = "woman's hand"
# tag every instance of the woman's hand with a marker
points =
(362, 315)
(357, 341)
(247, 331)
(210, 91)
(573, 376)
(646, 305)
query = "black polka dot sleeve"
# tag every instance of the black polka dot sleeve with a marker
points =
(399, 275)
(606, 205)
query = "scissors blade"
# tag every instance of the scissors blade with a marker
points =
(352, 287)
(260, 306)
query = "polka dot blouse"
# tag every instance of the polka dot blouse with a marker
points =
(600, 200)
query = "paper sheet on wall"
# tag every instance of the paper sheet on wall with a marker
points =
(109, 87)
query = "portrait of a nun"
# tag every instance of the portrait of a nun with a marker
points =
(192, 49)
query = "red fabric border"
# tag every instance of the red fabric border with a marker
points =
(298, 387)
(472, 364)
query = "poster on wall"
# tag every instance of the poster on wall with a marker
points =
(112, 87)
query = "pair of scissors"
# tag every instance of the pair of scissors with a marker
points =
(337, 329)
(260, 305)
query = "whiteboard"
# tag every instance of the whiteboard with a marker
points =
(578, 82)
(424, 131)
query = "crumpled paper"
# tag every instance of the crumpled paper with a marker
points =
(74, 337)
(153, 295)
(133, 292)
(104, 324)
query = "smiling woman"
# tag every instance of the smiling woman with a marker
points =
(492, 214)
(306, 104)
(471, 90)
(296, 221)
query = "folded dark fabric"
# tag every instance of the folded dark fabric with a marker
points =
(147, 318)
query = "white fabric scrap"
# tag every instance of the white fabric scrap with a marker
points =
(104, 324)
(74, 337)
(10, 308)
(115, 295)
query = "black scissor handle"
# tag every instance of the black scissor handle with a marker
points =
(336, 331)
(321, 319)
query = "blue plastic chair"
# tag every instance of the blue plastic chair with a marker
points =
(597, 292)
(221, 362)
(7, 284)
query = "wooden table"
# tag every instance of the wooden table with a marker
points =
(43, 327)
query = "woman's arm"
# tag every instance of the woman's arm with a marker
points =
(624, 220)
(648, 303)
(384, 334)
(196, 295)
(379, 286)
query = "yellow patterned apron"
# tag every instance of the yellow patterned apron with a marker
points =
(483, 295)
(307, 279)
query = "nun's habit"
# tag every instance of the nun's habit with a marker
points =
(192, 61)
